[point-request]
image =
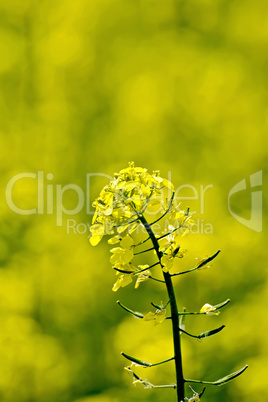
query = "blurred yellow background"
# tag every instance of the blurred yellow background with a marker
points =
(87, 86)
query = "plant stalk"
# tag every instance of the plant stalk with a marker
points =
(174, 315)
(176, 337)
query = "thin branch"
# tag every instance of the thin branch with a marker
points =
(164, 361)
(187, 313)
(143, 362)
(137, 272)
(157, 280)
(169, 233)
(216, 307)
(160, 307)
(185, 272)
(221, 381)
(167, 211)
(160, 237)
(147, 201)
(144, 251)
(151, 266)
(126, 223)
(205, 262)
(187, 333)
(146, 383)
(203, 334)
(135, 313)
(123, 271)
(157, 220)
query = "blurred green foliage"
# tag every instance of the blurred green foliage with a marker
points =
(87, 86)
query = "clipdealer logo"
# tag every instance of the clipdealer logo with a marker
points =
(51, 197)
(47, 192)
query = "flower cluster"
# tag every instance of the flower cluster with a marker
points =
(131, 195)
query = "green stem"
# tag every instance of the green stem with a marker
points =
(174, 315)
(176, 337)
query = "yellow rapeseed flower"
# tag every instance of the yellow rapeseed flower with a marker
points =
(120, 202)
(209, 309)
(158, 317)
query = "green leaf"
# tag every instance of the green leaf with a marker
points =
(137, 361)
(210, 333)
